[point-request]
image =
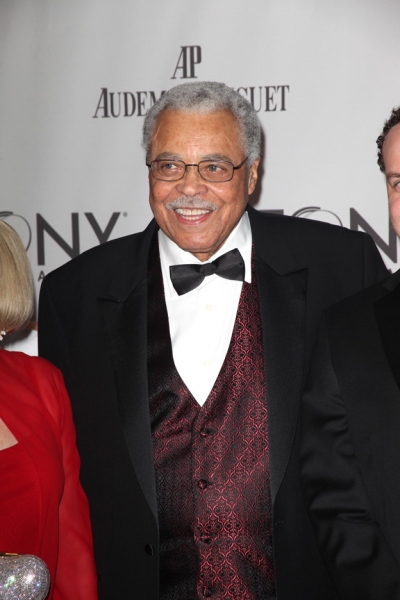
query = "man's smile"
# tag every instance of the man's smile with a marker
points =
(192, 214)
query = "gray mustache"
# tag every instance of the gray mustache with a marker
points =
(191, 202)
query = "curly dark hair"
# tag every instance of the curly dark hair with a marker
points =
(393, 120)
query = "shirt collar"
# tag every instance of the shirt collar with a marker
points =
(170, 253)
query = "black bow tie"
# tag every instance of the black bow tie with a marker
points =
(188, 277)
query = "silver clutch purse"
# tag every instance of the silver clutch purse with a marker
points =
(23, 577)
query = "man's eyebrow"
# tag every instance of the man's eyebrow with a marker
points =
(216, 156)
(392, 175)
(168, 156)
(171, 156)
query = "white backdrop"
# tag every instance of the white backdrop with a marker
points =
(323, 75)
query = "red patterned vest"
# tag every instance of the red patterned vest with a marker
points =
(211, 463)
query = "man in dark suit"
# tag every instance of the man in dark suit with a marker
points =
(183, 349)
(351, 425)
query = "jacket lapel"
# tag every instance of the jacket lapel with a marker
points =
(282, 288)
(124, 314)
(387, 312)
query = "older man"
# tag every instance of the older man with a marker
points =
(351, 425)
(183, 349)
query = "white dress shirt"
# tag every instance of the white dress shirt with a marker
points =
(201, 321)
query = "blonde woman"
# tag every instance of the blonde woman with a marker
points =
(43, 509)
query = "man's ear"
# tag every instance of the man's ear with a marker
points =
(253, 176)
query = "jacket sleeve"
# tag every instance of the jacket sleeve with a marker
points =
(76, 572)
(357, 555)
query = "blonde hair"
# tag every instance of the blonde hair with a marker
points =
(16, 285)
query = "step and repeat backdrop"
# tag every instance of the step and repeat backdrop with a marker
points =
(78, 76)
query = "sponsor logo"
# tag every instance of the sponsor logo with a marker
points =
(124, 104)
(115, 104)
(266, 98)
(189, 57)
(20, 224)
(45, 230)
(357, 223)
(263, 98)
(316, 213)
(42, 227)
(72, 246)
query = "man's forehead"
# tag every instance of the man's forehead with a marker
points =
(213, 133)
(193, 119)
(391, 152)
(392, 138)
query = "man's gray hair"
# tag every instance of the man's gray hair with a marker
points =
(206, 97)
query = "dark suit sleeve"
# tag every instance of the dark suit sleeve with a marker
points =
(374, 268)
(52, 338)
(359, 559)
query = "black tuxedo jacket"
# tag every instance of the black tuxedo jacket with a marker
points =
(351, 442)
(93, 314)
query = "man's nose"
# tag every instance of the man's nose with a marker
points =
(191, 181)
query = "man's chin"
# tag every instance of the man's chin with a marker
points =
(201, 249)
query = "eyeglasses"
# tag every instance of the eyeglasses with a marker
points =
(215, 171)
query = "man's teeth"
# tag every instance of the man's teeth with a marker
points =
(192, 212)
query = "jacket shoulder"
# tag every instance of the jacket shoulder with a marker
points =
(354, 317)
(98, 255)
(318, 230)
(354, 305)
(102, 261)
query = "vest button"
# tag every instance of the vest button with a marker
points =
(206, 593)
(204, 432)
(205, 539)
(149, 549)
(202, 483)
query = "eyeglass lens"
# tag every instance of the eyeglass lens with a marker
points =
(172, 170)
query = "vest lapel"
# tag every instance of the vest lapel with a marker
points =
(124, 314)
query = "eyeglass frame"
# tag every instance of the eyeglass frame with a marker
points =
(150, 165)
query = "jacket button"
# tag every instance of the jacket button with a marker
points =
(149, 549)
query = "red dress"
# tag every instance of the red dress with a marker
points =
(43, 509)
